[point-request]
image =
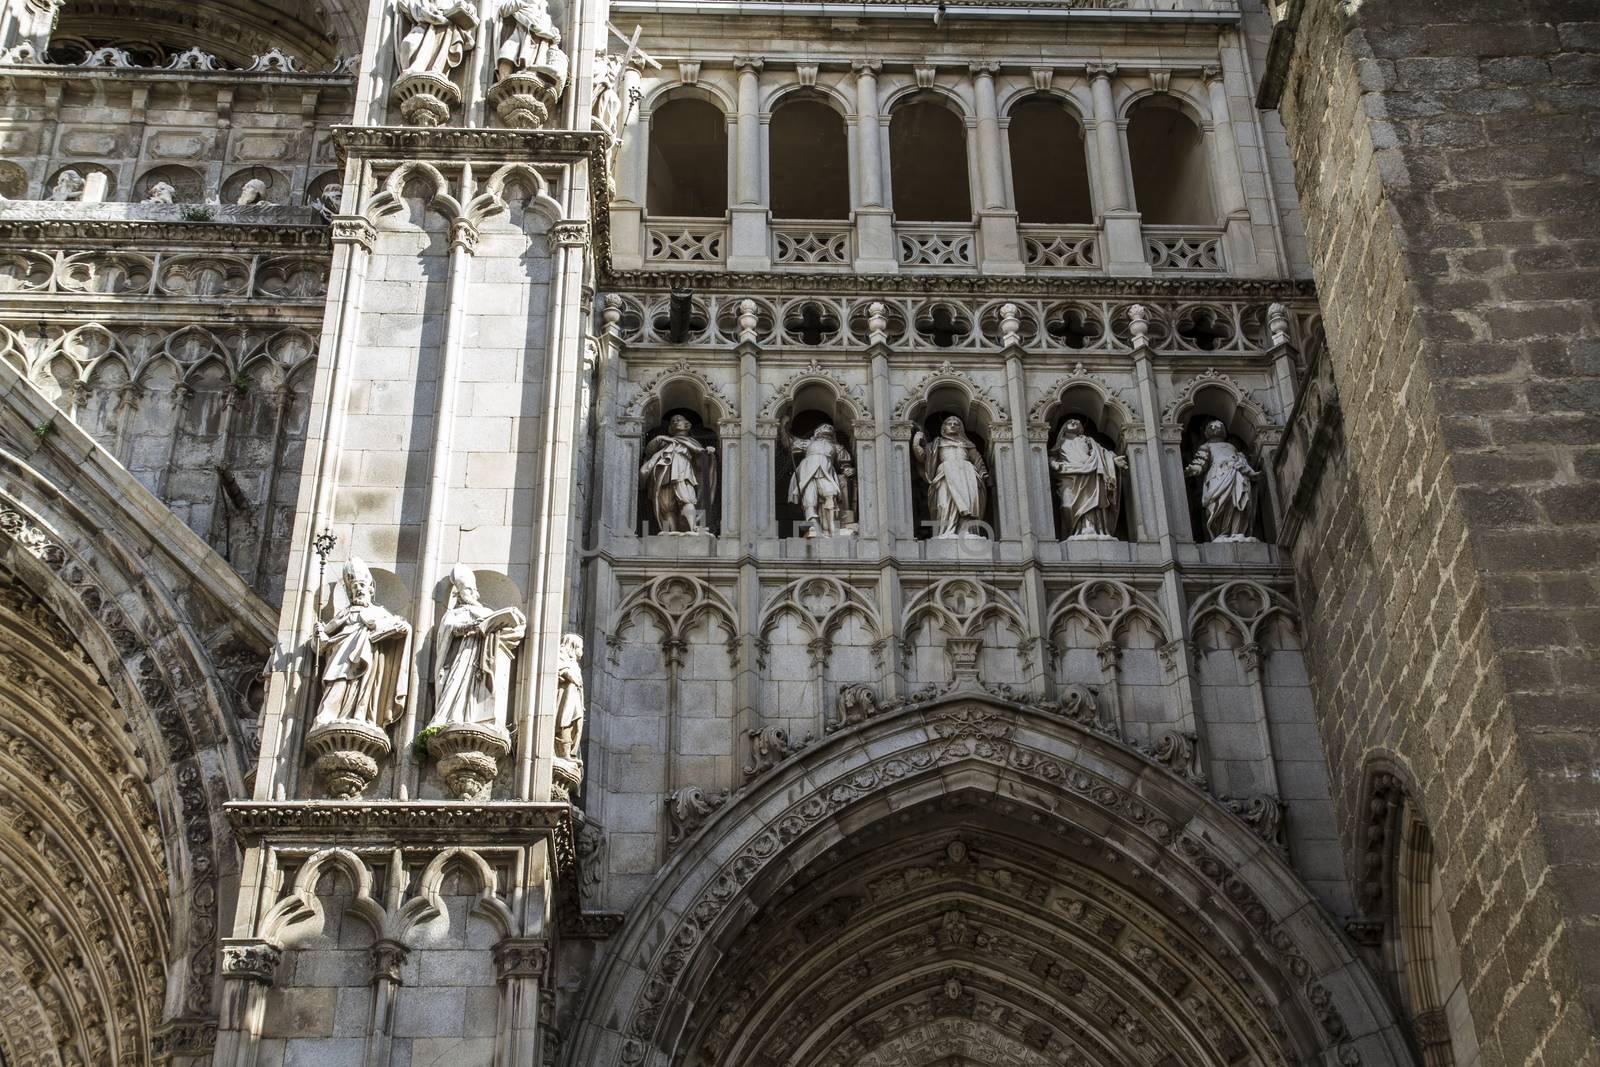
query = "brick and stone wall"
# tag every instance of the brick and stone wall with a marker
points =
(1448, 555)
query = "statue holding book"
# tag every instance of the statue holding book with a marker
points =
(473, 648)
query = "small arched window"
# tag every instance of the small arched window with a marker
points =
(810, 161)
(688, 175)
(1167, 154)
(1049, 171)
(928, 163)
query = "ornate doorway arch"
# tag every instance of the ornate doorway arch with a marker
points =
(976, 881)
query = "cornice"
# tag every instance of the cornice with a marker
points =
(154, 235)
(395, 820)
(1025, 285)
(488, 144)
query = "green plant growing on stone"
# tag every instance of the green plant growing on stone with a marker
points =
(419, 747)
(44, 429)
(241, 383)
(197, 213)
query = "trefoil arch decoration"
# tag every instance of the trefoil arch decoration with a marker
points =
(853, 397)
(947, 374)
(676, 602)
(1055, 393)
(1179, 407)
(651, 390)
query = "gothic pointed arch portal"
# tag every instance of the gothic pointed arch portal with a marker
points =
(974, 881)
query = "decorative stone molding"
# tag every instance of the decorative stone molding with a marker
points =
(947, 374)
(114, 233)
(251, 959)
(468, 755)
(840, 774)
(521, 957)
(650, 389)
(687, 810)
(1179, 752)
(346, 754)
(414, 821)
(769, 746)
(571, 234)
(1042, 287)
(385, 960)
(1184, 401)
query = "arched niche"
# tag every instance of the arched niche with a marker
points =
(941, 401)
(687, 173)
(1106, 421)
(810, 405)
(1404, 897)
(188, 186)
(808, 159)
(683, 396)
(928, 161)
(1167, 155)
(1242, 423)
(1049, 163)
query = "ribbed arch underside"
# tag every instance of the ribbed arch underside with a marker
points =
(951, 930)
(84, 908)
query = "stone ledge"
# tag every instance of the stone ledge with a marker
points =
(240, 235)
(1014, 285)
(397, 820)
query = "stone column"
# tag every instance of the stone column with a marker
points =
(1239, 244)
(519, 965)
(1000, 248)
(1124, 251)
(748, 245)
(874, 220)
(385, 957)
(249, 965)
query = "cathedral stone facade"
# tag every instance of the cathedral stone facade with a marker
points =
(709, 534)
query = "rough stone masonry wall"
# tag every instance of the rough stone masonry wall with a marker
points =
(1445, 158)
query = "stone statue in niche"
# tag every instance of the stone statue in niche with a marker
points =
(956, 475)
(365, 652)
(363, 661)
(1087, 480)
(530, 67)
(473, 647)
(254, 194)
(676, 471)
(433, 38)
(1227, 493)
(820, 484)
(437, 37)
(161, 193)
(69, 186)
(569, 699)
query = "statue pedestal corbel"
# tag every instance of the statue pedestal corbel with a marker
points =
(468, 755)
(524, 98)
(425, 99)
(347, 752)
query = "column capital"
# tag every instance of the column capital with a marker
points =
(521, 957)
(463, 235)
(866, 68)
(252, 959)
(748, 64)
(353, 229)
(385, 958)
(1095, 71)
(572, 233)
(1211, 75)
(983, 69)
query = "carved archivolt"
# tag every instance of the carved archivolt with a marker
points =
(888, 918)
(141, 648)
